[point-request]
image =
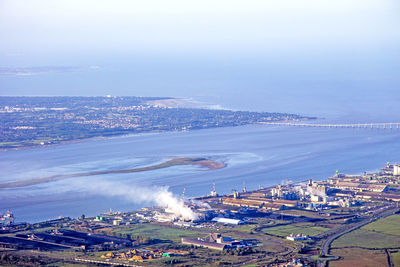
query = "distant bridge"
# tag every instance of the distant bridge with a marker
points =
(379, 125)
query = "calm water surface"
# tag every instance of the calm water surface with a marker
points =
(255, 154)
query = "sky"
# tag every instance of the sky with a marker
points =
(225, 51)
(57, 27)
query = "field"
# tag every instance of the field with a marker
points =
(367, 239)
(366, 246)
(384, 233)
(160, 232)
(168, 236)
(358, 257)
(248, 228)
(389, 225)
(396, 258)
(298, 228)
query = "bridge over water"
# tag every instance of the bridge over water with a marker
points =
(379, 125)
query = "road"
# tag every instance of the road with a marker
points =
(327, 243)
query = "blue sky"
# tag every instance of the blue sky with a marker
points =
(59, 27)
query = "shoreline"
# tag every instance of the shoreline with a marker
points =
(208, 163)
(119, 135)
(50, 138)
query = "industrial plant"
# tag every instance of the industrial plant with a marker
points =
(281, 225)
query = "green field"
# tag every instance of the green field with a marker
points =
(159, 232)
(384, 233)
(299, 228)
(247, 228)
(367, 239)
(389, 225)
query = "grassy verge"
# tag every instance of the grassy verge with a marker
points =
(299, 228)
(160, 232)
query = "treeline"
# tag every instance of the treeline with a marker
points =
(24, 260)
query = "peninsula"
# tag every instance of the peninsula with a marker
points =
(35, 121)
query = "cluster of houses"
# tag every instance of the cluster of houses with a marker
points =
(143, 255)
(7, 219)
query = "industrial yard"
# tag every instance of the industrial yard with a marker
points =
(291, 224)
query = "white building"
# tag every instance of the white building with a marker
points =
(227, 220)
(396, 169)
(297, 237)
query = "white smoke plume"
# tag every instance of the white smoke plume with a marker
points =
(200, 204)
(314, 191)
(139, 194)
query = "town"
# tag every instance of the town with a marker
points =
(36, 121)
(291, 224)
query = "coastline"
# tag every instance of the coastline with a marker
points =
(119, 135)
(76, 141)
(196, 116)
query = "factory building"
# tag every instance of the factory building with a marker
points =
(396, 169)
(214, 241)
(257, 202)
(218, 238)
(272, 207)
(392, 169)
(227, 220)
(243, 202)
(378, 196)
(373, 187)
(201, 243)
(361, 186)
(285, 202)
(297, 237)
(283, 193)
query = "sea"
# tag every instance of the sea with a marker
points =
(256, 155)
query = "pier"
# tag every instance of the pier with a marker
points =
(384, 125)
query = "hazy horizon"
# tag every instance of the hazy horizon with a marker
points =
(290, 56)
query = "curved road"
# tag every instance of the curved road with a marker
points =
(327, 243)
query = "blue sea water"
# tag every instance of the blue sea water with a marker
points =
(255, 155)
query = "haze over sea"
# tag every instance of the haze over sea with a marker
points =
(337, 60)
